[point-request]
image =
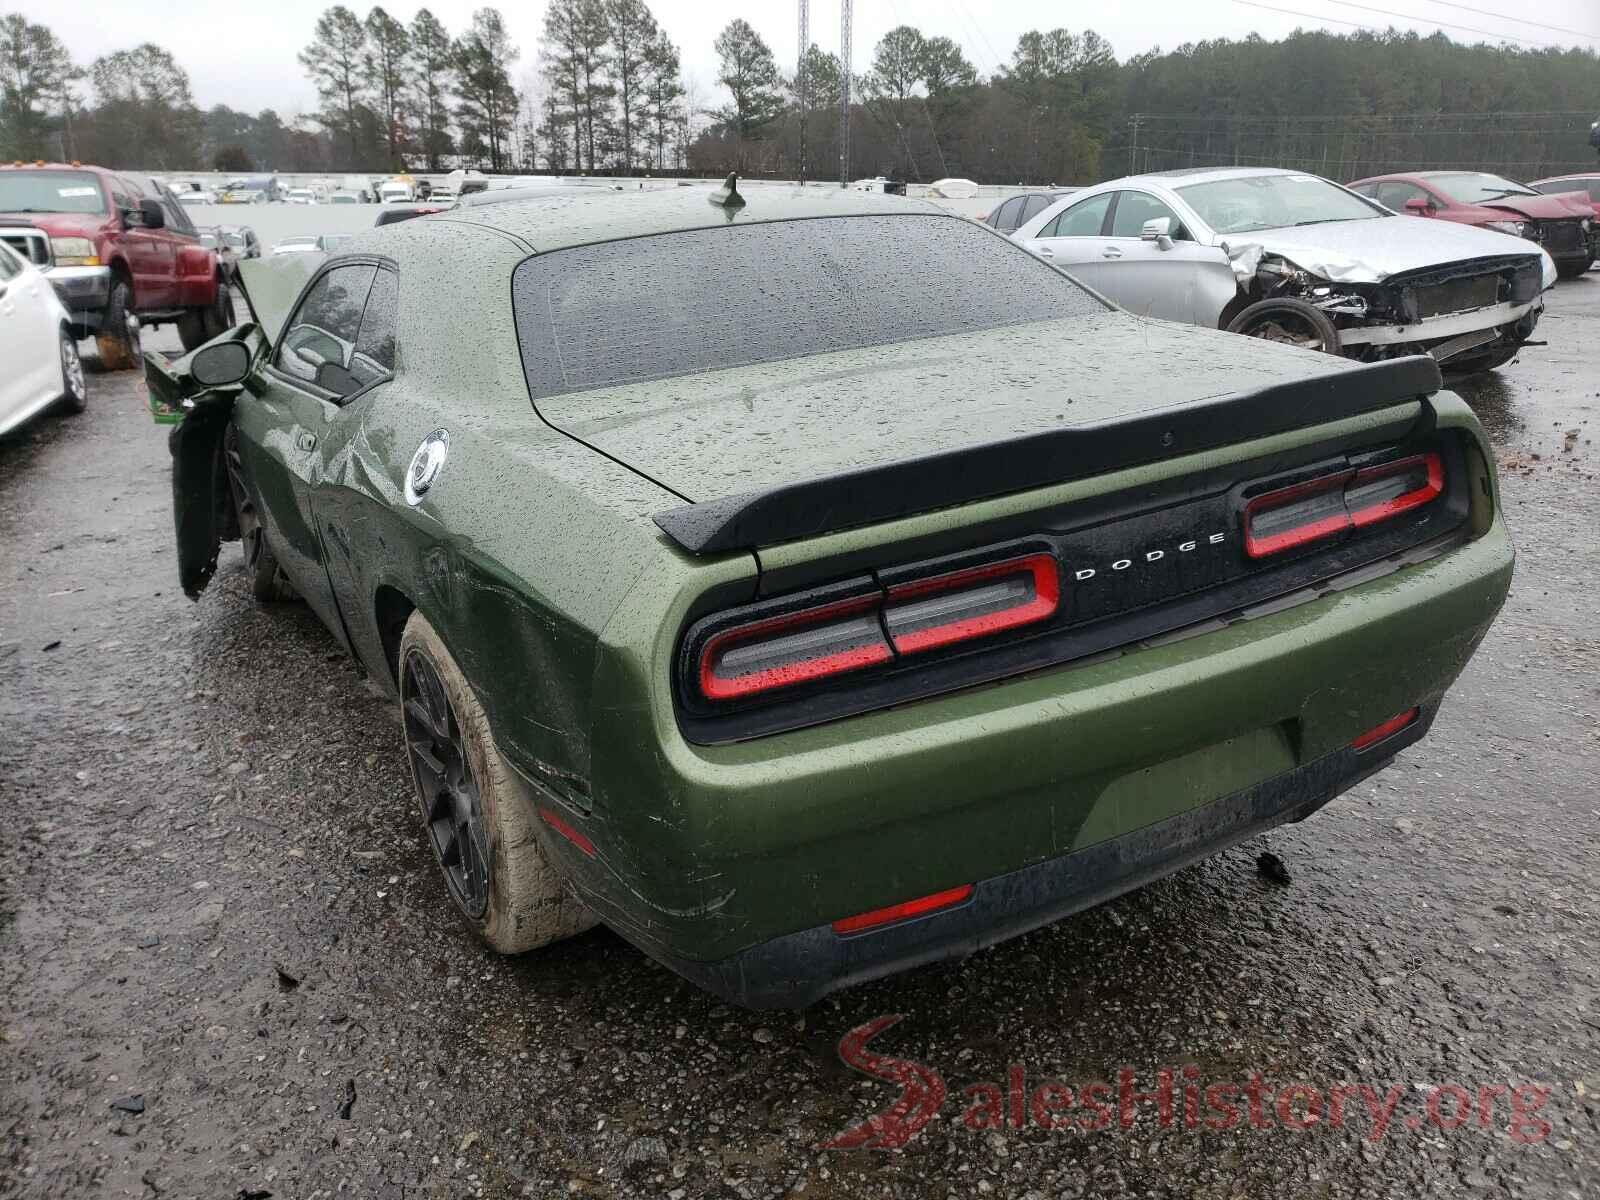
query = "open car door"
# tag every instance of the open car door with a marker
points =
(203, 512)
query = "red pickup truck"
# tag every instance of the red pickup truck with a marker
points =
(120, 251)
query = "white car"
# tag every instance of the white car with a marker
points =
(1296, 258)
(953, 189)
(300, 196)
(40, 355)
(298, 245)
(196, 199)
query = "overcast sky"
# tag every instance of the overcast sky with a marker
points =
(243, 55)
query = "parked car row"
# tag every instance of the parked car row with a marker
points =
(1296, 258)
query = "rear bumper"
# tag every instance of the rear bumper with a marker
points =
(724, 855)
(800, 968)
(84, 292)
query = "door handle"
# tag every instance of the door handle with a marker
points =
(1111, 252)
(1045, 252)
(306, 441)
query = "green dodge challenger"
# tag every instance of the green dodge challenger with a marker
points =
(810, 584)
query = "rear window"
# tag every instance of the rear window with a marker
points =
(704, 299)
(30, 191)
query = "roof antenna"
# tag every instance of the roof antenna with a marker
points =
(727, 196)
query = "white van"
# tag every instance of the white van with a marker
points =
(397, 191)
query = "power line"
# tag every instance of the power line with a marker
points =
(1279, 160)
(1585, 113)
(1383, 12)
(1484, 12)
(1292, 12)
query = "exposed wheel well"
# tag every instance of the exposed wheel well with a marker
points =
(392, 609)
(1235, 306)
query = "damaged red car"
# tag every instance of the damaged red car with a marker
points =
(1562, 225)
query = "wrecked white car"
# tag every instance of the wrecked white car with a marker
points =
(1296, 258)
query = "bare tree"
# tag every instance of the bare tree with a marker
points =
(488, 102)
(35, 70)
(336, 60)
(432, 59)
(385, 68)
(633, 34)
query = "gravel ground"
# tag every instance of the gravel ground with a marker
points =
(228, 969)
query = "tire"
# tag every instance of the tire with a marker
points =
(1289, 321)
(268, 583)
(117, 344)
(74, 384)
(478, 818)
(197, 326)
(219, 317)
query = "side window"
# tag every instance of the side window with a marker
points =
(1083, 219)
(1395, 195)
(374, 357)
(10, 265)
(177, 218)
(1005, 217)
(320, 339)
(1034, 206)
(1135, 208)
(1369, 190)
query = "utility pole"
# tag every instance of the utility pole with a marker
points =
(801, 83)
(844, 93)
(1133, 143)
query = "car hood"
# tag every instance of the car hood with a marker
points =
(1561, 206)
(272, 284)
(721, 433)
(1368, 251)
(89, 225)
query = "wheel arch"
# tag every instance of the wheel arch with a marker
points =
(391, 609)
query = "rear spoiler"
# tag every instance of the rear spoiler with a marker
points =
(813, 507)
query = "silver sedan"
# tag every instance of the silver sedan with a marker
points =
(1296, 258)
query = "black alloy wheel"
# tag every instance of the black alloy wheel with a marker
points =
(445, 787)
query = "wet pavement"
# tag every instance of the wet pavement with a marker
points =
(228, 968)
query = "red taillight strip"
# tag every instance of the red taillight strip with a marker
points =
(1277, 543)
(1343, 483)
(717, 687)
(905, 910)
(555, 822)
(1046, 596)
(1378, 732)
(1406, 501)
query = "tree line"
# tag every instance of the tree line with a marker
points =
(606, 93)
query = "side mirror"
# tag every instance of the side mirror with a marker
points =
(1419, 206)
(1157, 230)
(151, 215)
(220, 365)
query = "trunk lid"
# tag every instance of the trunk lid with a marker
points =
(746, 429)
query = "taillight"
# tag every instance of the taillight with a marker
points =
(782, 651)
(1387, 491)
(865, 630)
(1380, 732)
(903, 911)
(971, 603)
(1309, 512)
